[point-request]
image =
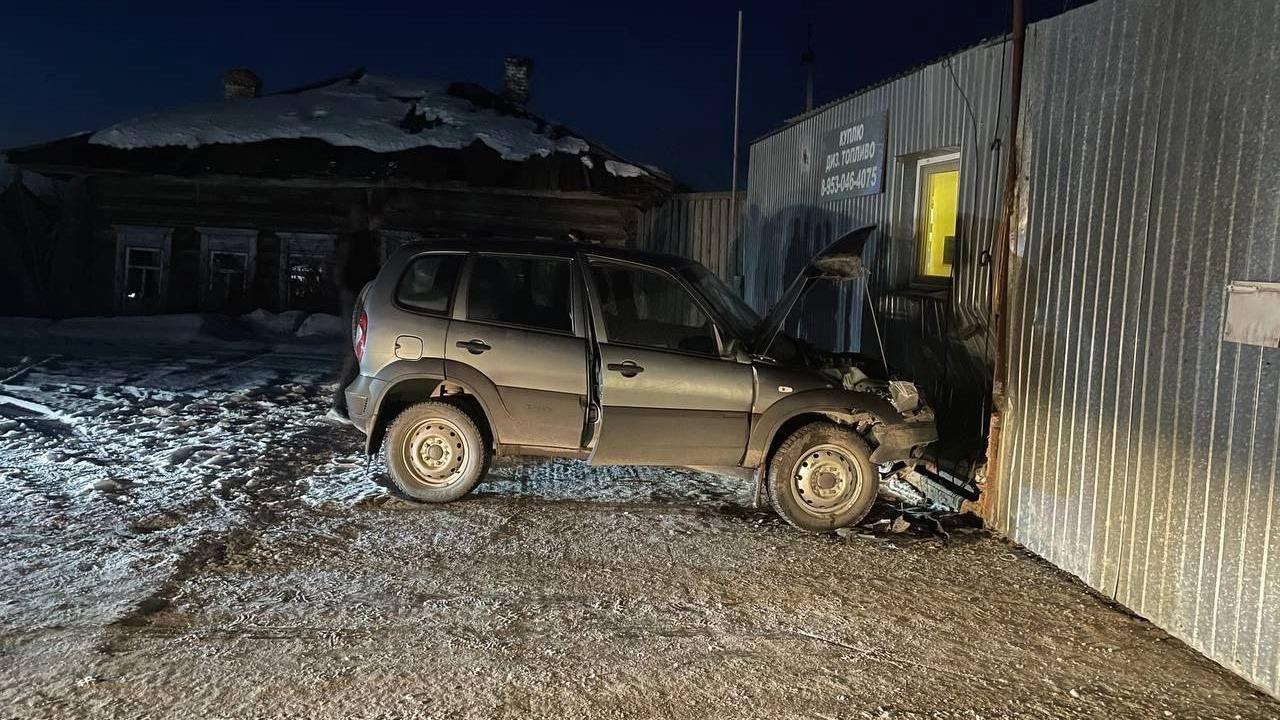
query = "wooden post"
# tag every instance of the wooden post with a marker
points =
(989, 503)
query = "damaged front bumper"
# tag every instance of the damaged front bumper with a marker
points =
(901, 441)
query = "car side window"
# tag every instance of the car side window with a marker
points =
(427, 284)
(528, 291)
(649, 308)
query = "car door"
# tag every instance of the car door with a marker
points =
(668, 396)
(516, 340)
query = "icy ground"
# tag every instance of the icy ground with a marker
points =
(182, 534)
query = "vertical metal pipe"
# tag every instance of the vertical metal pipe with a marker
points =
(1000, 280)
(733, 181)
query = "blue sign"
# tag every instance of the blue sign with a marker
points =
(852, 160)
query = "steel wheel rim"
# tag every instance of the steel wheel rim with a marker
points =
(826, 480)
(437, 453)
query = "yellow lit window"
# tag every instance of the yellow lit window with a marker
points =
(936, 203)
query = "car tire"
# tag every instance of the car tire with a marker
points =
(821, 478)
(435, 452)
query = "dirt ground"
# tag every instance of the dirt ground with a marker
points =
(286, 581)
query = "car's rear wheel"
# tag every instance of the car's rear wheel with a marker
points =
(821, 478)
(435, 452)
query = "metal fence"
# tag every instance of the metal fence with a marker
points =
(1141, 448)
(695, 225)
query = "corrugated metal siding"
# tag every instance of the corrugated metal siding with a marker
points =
(941, 341)
(694, 225)
(1141, 449)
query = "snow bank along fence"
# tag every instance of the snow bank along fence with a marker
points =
(1140, 451)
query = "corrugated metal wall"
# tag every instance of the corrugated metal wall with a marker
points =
(939, 339)
(1141, 449)
(694, 225)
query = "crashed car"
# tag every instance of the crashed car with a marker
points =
(619, 357)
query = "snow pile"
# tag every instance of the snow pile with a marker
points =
(178, 329)
(377, 113)
(23, 327)
(265, 322)
(321, 325)
(168, 329)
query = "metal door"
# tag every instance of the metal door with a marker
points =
(517, 343)
(668, 405)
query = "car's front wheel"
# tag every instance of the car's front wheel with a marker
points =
(435, 452)
(821, 478)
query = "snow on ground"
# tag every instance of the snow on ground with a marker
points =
(370, 112)
(206, 329)
(182, 534)
(136, 459)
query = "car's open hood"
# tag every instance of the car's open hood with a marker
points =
(841, 260)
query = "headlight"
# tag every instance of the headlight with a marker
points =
(904, 395)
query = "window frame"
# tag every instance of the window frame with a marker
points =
(243, 256)
(307, 244)
(602, 330)
(158, 269)
(461, 310)
(286, 269)
(923, 168)
(458, 282)
(147, 237)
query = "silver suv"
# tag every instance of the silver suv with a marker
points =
(469, 349)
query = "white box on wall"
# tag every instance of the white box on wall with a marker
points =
(1253, 313)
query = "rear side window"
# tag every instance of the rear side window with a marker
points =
(648, 308)
(427, 284)
(526, 291)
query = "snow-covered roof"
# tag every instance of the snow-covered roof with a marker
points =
(372, 112)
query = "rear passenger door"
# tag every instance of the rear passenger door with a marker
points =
(669, 396)
(518, 342)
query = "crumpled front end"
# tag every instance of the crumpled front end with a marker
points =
(902, 440)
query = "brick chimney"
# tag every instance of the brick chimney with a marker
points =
(241, 83)
(517, 73)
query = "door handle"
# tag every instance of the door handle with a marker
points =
(628, 368)
(474, 346)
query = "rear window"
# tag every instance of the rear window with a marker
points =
(530, 292)
(427, 284)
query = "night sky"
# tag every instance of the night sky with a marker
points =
(653, 81)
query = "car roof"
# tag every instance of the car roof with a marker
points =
(553, 247)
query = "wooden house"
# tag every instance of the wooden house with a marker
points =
(238, 203)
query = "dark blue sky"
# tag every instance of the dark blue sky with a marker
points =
(651, 80)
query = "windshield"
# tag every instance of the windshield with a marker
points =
(734, 310)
